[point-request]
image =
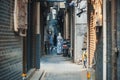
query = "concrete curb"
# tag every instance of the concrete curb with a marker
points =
(37, 75)
(30, 74)
(42, 76)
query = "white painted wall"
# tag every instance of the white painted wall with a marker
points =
(80, 30)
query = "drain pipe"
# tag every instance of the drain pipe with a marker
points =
(87, 37)
(38, 36)
(114, 39)
(104, 41)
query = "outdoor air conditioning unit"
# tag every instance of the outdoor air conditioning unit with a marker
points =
(20, 17)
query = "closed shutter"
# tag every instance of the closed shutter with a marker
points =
(10, 44)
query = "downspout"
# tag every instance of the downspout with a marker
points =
(24, 73)
(38, 36)
(38, 18)
(71, 31)
(87, 37)
(16, 16)
(66, 30)
(104, 42)
(64, 25)
(114, 39)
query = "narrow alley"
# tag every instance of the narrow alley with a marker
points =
(58, 67)
(59, 39)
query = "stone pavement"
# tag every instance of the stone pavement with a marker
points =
(58, 67)
(37, 74)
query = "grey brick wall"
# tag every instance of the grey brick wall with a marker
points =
(10, 44)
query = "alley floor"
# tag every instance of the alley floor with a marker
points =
(58, 67)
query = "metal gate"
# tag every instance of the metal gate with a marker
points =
(10, 44)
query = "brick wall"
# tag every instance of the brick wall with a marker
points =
(96, 38)
(10, 44)
(92, 38)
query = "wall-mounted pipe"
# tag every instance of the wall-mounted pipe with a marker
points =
(15, 17)
(104, 41)
(114, 39)
(38, 36)
(20, 17)
(38, 18)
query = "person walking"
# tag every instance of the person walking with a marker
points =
(84, 59)
(50, 38)
(59, 44)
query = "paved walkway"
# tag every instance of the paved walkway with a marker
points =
(58, 67)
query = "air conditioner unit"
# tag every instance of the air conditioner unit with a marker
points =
(20, 17)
